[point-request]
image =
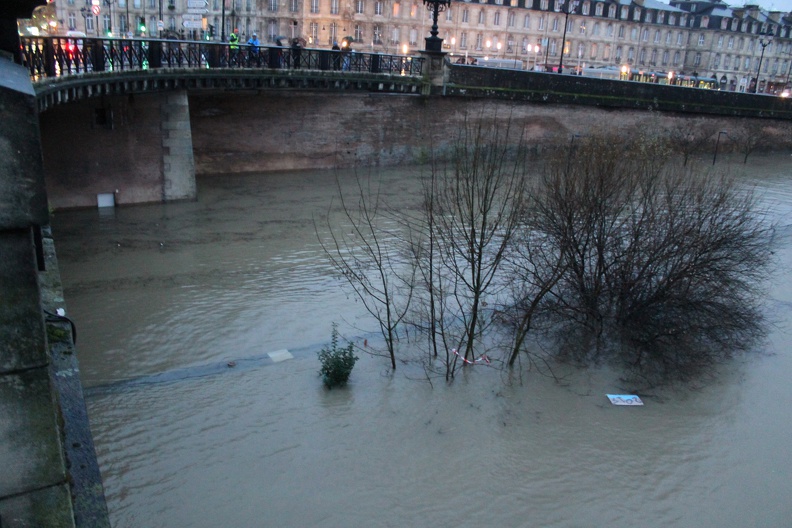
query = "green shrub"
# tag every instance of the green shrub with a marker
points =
(337, 362)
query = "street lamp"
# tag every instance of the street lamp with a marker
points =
(499, 48)
(570, 8)
(536, 55)
(433, 42)
(764, 40)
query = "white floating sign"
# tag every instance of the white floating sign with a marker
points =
(280, 355)
(194, 4)
(191, 16)
(192, 24)
(624, 399)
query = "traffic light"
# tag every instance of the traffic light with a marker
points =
(211, 30)
(142, 25)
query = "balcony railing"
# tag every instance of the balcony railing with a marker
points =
(60, 56)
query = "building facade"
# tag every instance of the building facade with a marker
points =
(701, 38)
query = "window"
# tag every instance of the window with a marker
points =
(73, 22)
(671, 20)
(377, 34)
(624, 12)
(621, 32)
(730, 43)
(294, 6)
(464, 16)
(463, 40)
(657, 36)
(606, 54)
(720, 41)
(701, 39)
(697, 60)
(541, 23)
(612, 11)
(479, 41)
(496, 19)
(726, 62)
(358, 33)
(543, 5)
(598, 9)
(314, 6)
(481, 17)
(89, 23)
(609, 31)
(333, 7)
(273, 5)
(555, 25)
(449, 15)
(360, 7)
(413, 11)
(716, 60)
(668, 38)
(653, 57)
(314, 31)
(396, 9)
(677, 56)
(637, 14)
(395, 37)
(618, 56)
(631, 55)
(585, 9)
(634, 33)
(660, 17)
(135, 4)
(378, 8)
(106, 23)
(596, 30)
(665, 57)
(594, 49)
(645, 35)
(172, 23)
(679, 38)
(553, 46)
(510, 21)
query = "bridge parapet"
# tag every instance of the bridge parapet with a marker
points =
(66, 69)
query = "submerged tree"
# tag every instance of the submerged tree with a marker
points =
(665, 261)
(368, 259)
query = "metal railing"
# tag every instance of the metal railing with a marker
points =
(59, 56)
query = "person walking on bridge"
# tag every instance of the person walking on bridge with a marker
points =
(233, 46)
(253, 49)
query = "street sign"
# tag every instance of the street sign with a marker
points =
(191, 17)
(95, 9)
(195, 4)
(160, 25)
(196, 11)
(192, 24)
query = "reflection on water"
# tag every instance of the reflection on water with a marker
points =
(165, 296)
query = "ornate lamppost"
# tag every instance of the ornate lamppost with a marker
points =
(435, 43)
(764, 40)
(570, 8)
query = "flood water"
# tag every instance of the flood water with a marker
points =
(165, 296)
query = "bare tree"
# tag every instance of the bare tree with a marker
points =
(691, 136)
(748, 138)
(665, 261)
(369, 260)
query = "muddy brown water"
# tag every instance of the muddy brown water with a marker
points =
(165, 296)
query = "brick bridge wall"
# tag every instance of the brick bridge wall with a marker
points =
(260, 131)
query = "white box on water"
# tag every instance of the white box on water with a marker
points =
(105, 200)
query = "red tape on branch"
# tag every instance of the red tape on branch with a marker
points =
(481, 359)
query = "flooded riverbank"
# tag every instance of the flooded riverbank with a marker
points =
(167, 296)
